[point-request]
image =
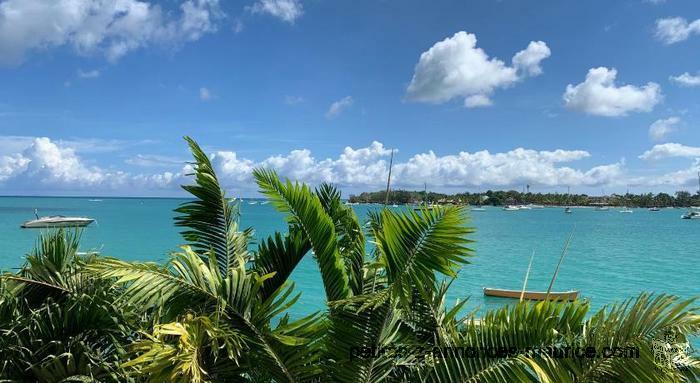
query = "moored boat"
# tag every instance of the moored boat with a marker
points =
(691, 215)
(511, 208)
(57, 221)
(532, 295)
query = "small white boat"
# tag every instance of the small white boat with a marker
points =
(691, 215)
(534, 206)
(654, 209)
(57, 221)
(253, 203)
(394, 205)
(477, 208)
(525, 207)
(567, 210)
(601, 208)
(511, 208)
(627, 210)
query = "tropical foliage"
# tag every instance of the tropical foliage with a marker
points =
(219, 309)
(503, 197)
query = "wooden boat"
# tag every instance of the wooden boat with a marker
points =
(532, 295)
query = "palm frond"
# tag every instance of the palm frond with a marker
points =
(304, 209)
(414, 247)
(351, 239)
(211, 219)
(280, 255)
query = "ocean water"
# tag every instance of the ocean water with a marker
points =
(612, 256)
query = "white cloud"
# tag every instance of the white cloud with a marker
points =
(89, 73)
(154, 160)
(109, 27)
(49, 167)
(686, 79)
(599, 95)
(662, 128)
(686, 177)
(205, 94)
(456, 67)
(529, 59)
(669, 150)
(339, 106)
(518, 166)
(368, 167)
(477, 100)
(676, 29)
(286, 10)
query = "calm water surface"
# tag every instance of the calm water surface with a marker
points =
(612, 256)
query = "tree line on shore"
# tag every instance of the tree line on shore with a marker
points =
(503, 197)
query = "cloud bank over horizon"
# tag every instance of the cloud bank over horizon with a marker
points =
(56, 167)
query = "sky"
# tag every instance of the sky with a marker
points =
(597, 96)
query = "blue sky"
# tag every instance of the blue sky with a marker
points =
(95, 95)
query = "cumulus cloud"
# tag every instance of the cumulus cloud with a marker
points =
(676, 29)
(456, 68)
(686, 79)
(286, 10)
(669, 150)
(686, 177)
(529, 59)
(599, 95)
(338, 107)
(48, 166)
(112, 28)
(660, 129)
(368, 167)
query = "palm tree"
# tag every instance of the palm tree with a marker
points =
(58, 322)
(218, 311)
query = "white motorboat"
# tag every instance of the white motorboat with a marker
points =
(654, 209)
(691, 215)
(57, 221)
(567, 210)
(511, 208)
(477, 208)
(626, 210)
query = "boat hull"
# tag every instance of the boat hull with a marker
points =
(41, 224)
(532, 295)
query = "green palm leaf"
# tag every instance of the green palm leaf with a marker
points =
(351, 239)
(304, 210)
(413, 247)
(280, 255)
(210, 219)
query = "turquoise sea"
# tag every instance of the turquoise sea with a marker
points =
(612, 256)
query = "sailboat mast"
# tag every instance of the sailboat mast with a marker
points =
(388, 179)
